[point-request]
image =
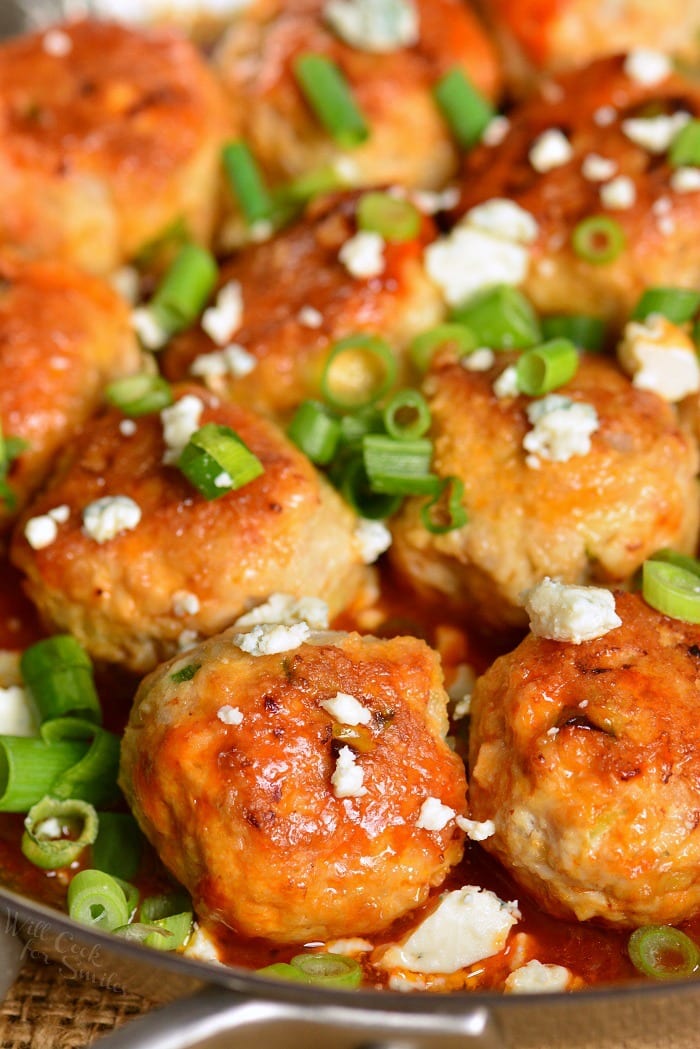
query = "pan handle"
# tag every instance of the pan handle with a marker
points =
(220, 1019)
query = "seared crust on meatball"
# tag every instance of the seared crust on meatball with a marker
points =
(586, 759)
(298, 275)
(108, 143)
(591, 108)
(63, 335)
(189, 564)
(242, 807)
(596, 516)
(409, 142)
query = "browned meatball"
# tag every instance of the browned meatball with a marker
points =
(409, 142)
(299, 296)
(63, 335)
(132, 580)
(595, 515)
(610, 159)
(281, 820)
(105, 141)
(586, 759)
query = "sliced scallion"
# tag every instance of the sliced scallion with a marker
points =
(406, 415)
(58, 673)
(137, 395)
(585, 331)
(393, 218)
(685, 148)
(216, 461)
(185, 288)
(95, 898)
(93, 777)
(282, 971)
(43, 841)
(598, 239)
(29, 768)
(662, 952)
(673, 557)
(465, 109)
(671, 590)
(118, 845)
(445, 512)
(425, 345)
(329, 95)
(678, 305)
(315, 432)
(399, 467)
(247, 183)
(544, 368)
(501, 318)
(328, 970)
(357, 491)
(360, 370)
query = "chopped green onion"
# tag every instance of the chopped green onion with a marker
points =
(139, 932)
(355, 488)
(690, 564)
(312, 184)
(170, 914)
(598, 239)
(662, 952)
(131, 894)
(678, 305)
(360, 370)
(328, 970)
(216, 461)
(141, 394)
(29, 767)
(155, 250)
(93, 777)
(10, 448)
(43, 842)
(165, 934)
(464, 108)
(393, 218)
(685, 148)
(355, 425)
(584, 331)
(500, 318)
(186, 673)
(118, 845)
(58, 673)
(95, 898)
(314, 430)
(671, 590)
(247, 182)
(185, 288)
(425, 345)
(165, 905)
(407, 415)
(282, 971)
(546, 367)
(445, 512)
(328, 94)
(399, 467)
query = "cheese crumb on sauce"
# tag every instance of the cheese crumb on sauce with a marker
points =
(57, 43)
(659, 356)
(496, 130)
(565, 612)
(468, 925)
(647, 67)
(346, 710)
(127, 427)
(233, 360)
(224, 318)
(537, 978)
(348, 778)
(561, 429)
(363, 255)
(374, 25)
(373, 538)
(150, 331)
(434, 815)
(105, 518)
(685, 179)
(618, 194)
(179, 422)
(310, 317)
(287, 610)
(229, 715)
(476, 830)
(596, 168)
(550, 150)
(479, 360)
(267, 639)
(506, 385)
(655, 134)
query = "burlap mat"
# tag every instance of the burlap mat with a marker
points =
(45, 1009)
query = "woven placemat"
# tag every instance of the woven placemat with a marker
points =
(46, 1009)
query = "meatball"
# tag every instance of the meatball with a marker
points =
(63, 335)
(533, 511)
(595, 142)
(409, 142)
(299, 296)
(282, 819)
(157, 564)
(109, 136)
(586, 757)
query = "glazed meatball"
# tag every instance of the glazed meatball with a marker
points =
(282, 819)
(594, 143)
(299, 296)
(409, 142)
(63, 335)
(156, 564)
(536, 508)
(586, 759)
(109, 136)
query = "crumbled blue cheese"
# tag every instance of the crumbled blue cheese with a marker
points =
(468, 925)
(504, 218)
(685, 180)
(618, 194)
(604, 116)
(537, 978)
(431, 201)
(56, 43)
(596, 168)
(506, 385)
(346, 710)
(179, 422)
(230, 715)
(647, 67)
(287, 609)
(561, 428)
(223, 480)
(201, 946)
(433, 815)
(267, 639)
(18, 712)
(564, 612)
(310, 317)
(42, 530)
(476, 830)
(655, 134)
(127, 427)
(224, 318)
(496, 130)
(659, 356)
(185, 603)
(373, 538)
(150, 331)
(363, 255)
(105, 518)
(233, 360)
(374, 25)
(348, 777)
(550, 150)
(479, 360)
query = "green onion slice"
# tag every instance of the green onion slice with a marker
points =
(282, 971)
(464, 108)
(685, 148)
(500, 318)
(247, 183)
(315, 432)
(29, 768)
(43, 841)
(360, 370)
(185, 288)
(690, 564)
(97, 899)
(662, 952)
(58, 673)
(216, 461)
(93, 778)
(546, 367)
(167, 934)
(355, 488)
(186, 673)
(598, 239)
(141, 394)
(425, 345)
(671, 590)
(445, 511)
(355, 425)
(406, 415)
(329, 95)
(678, 305)
(585, 331)
(399, 467)
(165, 905)
(393, 218)
(328, 970)
(118, 846)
